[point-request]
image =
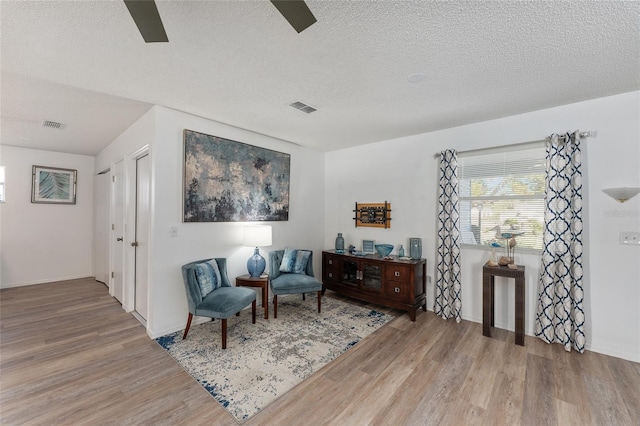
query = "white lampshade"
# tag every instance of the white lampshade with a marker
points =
(621, 194)
(257, 236)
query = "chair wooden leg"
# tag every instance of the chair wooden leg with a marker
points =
(253, 312)
(319, 301)
(238, 313)
(224, 333)
(275, 306)
(186, 330)
(303, 297)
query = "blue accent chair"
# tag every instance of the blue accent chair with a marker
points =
(221, 303)
(289, 283)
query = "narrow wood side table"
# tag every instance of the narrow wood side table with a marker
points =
(488, 295)
(261, 281)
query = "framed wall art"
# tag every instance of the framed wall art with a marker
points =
(52, 185)
(229, 181)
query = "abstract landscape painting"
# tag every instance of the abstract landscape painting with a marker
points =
(228, 181)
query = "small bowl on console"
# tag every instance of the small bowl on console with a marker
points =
(384, 249)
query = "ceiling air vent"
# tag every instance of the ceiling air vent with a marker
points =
(301, 106)
(52, 124)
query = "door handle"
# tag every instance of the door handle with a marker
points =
(134, 244)
(119, 239)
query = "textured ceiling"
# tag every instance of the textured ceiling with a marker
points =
(241, 63)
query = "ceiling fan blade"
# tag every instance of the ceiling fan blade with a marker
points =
(145, 15)
(296, 12)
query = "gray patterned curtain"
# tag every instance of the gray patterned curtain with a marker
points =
(560, 314)
(448, 302)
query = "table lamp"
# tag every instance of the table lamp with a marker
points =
(254, 236)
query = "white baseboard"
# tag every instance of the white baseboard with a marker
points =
(47, 280)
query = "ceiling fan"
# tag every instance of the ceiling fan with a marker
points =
(145, 15)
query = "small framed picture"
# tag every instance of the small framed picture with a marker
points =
(368, 246)
(52, 185)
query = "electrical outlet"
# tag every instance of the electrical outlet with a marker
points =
(630, 238)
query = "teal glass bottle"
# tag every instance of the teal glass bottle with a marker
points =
(339, 243)
(401, 251)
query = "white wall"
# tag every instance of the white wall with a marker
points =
(404, 172)
(43, 242)
(162, 129)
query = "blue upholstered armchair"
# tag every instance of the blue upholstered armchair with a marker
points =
(210, 294)
(300, 280)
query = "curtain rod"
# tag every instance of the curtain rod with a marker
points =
(583, 135)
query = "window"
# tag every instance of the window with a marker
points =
(503, 192)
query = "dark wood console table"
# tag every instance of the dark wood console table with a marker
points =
(488, 295)
(392, 282)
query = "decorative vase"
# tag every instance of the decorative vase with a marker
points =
(339, 243)
(415, 248)
(256, 264)
(401, 251)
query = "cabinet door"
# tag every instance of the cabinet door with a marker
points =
(350, 272)
(372, 275)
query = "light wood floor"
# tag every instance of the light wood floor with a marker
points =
(70, 355)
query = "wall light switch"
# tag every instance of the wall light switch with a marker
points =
(630, 238)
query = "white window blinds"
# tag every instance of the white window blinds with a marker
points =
(503, 192)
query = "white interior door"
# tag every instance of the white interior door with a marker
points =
(141, 243)
(102, 225)
(117, 232)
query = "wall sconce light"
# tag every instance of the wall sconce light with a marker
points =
(254, 236)
(622, 194)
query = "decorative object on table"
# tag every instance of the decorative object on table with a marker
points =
(210, 294)
(493, 258)
(266, 360)
(52, 185)
(376, 215)
(256, 236)
(340, 243)
(401, 251)
(368, 246)
(509, 237)
(384, 249)
(622, 194)
(352, 249)
(415, 248)
(228, 181)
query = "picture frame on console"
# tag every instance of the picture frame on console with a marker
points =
(368, 246)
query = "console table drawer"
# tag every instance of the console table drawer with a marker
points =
(398, 272)
(398, 290)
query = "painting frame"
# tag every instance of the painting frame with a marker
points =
(368, 246)
(230, 181)
(53, 185)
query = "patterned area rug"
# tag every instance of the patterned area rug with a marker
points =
(264, 360)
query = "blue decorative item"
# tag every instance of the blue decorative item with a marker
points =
(401, 251)
(415, 248)
(255, 236)
(339, 243)
(384, 249)
(256, 264)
